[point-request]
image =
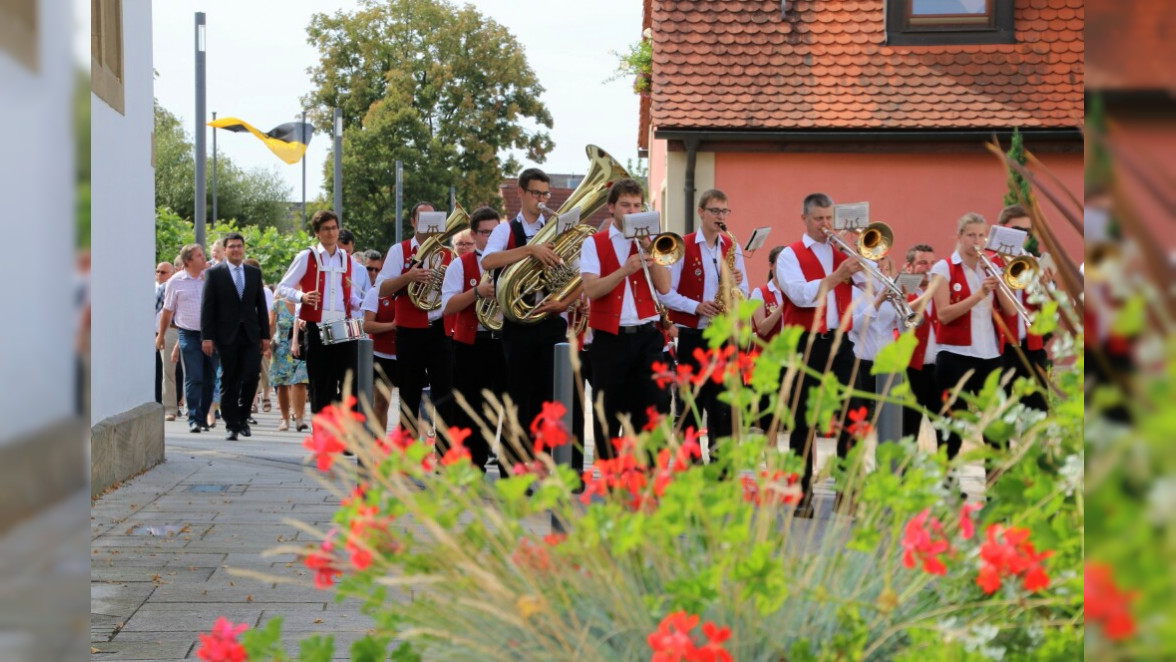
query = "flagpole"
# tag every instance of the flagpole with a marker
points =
(200, 212)
(214, 169)
(305, 140)
(399, 198)
(339, 164)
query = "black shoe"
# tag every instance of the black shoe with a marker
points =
(246, 431)
(250, 420)
(204, 428)
(231, 436)
(193, 427)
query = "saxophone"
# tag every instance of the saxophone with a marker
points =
(431, 255)
(729, 293)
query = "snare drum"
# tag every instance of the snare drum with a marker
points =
(339, 331)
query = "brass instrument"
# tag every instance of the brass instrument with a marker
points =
(527, 284)
(1020, 273)
(431, 255)
(729, 293)
(488, 311)
(873, 243)
(665, 249)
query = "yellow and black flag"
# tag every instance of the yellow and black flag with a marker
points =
(288, 141)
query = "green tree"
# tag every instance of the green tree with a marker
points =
(1020, 191)
(442, 88)
(255, 197)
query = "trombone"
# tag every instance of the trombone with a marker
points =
(1021, 272)
(873, 243)
(665, 249)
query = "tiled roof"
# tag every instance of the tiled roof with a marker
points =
(741, 64)
(1132, 46)
(510, 199)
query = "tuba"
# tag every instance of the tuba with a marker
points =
(431, 255)
(526, 284)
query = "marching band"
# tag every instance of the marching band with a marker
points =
(487, 321)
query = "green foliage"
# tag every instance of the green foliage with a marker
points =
(256, 197)
(638, 63)
(82, 155)
(438, 86)
(1020, 190)
(273, 249)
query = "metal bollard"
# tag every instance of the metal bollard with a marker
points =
(361, 365)
(564, 391)
(889, 414)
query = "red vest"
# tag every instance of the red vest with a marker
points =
(811, 267)
(605, 313)
(466, 321)
(385, 343)
(771, 302)
(959, 331)
(690, 283)
(310, 283)
(409, 316)
(922, 334)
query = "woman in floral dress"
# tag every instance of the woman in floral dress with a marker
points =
(287, 372)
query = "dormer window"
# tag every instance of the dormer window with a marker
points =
(937, 22)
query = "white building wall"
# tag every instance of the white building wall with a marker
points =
(123, 231)
(37, 180)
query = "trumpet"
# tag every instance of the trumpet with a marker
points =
(874, 243)
(1021, 272)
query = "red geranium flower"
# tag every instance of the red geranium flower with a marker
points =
(530, 556)
(860, 427)
(548, 428)
(322, 562)
(926, 542)
(712, 650)
(1014, 557)
(327, 424)
(967, 527)
(457, 450)
(671, 642)
(221, 644)
(1106, 604)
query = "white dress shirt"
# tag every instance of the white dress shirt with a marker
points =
(712, 257)
(371, 304)
(590, 264)
(332, 270)
(359, 277)
(984, 344)
(500, 237)
(873, 328)
(803, 292)
(394, 267)
(455, 280)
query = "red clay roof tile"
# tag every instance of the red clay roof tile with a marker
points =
(740, 64)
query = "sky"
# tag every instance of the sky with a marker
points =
(257, 59)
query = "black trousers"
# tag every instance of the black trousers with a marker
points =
(1039, 359)
(326, 367)
(529, 353)
(800, 439)
(240, 371)
(718, 413)
(950, 368)
(425, 358)
(158, 377)
(478, 367)
(927, 394)
(622, 370)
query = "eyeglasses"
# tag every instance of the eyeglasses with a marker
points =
(373, 269)
(465, 243)
(161, 271)
(717, 211)
(540, 195)
(484, 232)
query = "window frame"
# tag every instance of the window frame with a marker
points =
(998, 28)
(107, 54)
(19, 34)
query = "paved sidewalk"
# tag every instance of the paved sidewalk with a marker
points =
(163, 547)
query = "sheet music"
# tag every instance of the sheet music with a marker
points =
(642, 224)
(1006, 240)
(431, 222)
(757, 239)
(568, 221)
(909, 283)
(851, 216)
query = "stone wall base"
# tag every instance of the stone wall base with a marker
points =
(39, 470)
(125, 445)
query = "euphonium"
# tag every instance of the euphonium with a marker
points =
(431, 255)
(527, 283)
(488, 311)
(729, 293)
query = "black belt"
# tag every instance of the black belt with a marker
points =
(437, 324)
(486, 335)
(687, 331)
(640, 328)
(828, 335)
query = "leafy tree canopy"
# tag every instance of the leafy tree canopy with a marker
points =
(254, 197)
(442, 88)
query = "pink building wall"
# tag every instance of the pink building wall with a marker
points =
(920, 195)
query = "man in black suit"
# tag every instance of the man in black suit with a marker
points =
(234, 321)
